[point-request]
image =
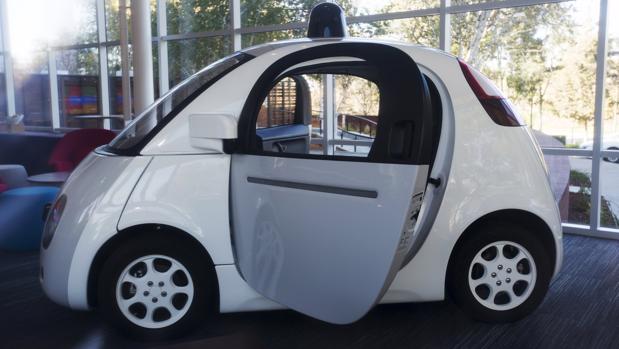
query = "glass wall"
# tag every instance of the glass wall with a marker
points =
(185, 57)
(3, 111)
(545, 56)
(3, 99)
(32, 90)
(115, 73)
(191, 16)
(418, 30)
(78, 86)
(256, 13)
(540, 56)
(609, 166)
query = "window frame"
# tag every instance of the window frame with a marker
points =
(380, 56)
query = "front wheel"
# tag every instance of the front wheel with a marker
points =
(154, 288)
(614, 159)
(500, 274)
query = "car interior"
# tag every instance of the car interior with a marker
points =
(291, 117)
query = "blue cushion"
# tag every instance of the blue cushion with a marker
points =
(21, 217)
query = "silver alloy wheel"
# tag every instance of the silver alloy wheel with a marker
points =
(612, 159)
(502, 275)
(154, 291)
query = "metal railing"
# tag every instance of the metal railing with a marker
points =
(354, 127)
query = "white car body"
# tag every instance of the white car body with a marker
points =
(485, 169)
(610, 143)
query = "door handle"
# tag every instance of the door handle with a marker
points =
(400, 139)
(435, 181)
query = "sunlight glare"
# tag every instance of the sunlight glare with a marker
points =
(35, 24)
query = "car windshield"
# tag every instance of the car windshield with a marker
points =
(145, 125)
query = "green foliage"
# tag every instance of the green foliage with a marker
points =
(580, 179)
(265, 12)
(512, 47)
(189, 16)
(576, 95)
(418, 30)
(580, 202)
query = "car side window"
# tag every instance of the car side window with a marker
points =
(279, 107)
(356, 109)
(294, 117)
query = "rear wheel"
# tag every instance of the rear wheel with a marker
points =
(154, 288)
(500, 274)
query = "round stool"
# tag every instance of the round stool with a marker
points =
(21, 217)
(14, 176)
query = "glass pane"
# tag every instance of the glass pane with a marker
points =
(356, 107)
(609, 168)
(112, 19)
(186, 57)
(316, 87)
(570, 179)
(156, 68)
(280, 106)
(419, 30)
(284, 110)
(114, 63)
(64, 22)
(256, 13)
(146, 122)
(2, 93)
(611, 115)
(248, 40)
(542, 57)
(369, 7)
(78, 87)
(609, 191)
(470, 2)
(187, 16)
(32, 98)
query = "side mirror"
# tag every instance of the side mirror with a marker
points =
(207, 131)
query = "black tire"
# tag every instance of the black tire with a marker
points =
(614, 160)
(198, 265)
(460, 264)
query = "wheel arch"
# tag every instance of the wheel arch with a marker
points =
(526, 219)
(137, 232)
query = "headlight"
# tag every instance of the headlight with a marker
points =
(53, 218)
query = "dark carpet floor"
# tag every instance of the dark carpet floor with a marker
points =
(581, 311)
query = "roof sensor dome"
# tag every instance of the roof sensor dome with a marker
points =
(327, 20)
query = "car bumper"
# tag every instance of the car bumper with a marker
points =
(54, 273)
(96, 194)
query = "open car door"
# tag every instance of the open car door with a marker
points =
(325, 234)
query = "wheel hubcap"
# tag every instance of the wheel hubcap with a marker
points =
(154, 291)
(502, 275)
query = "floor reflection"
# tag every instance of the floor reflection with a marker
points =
(580, 311)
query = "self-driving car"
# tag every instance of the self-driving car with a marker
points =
(245, 189)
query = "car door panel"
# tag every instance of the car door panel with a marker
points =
(359, 212)
(325, 234)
